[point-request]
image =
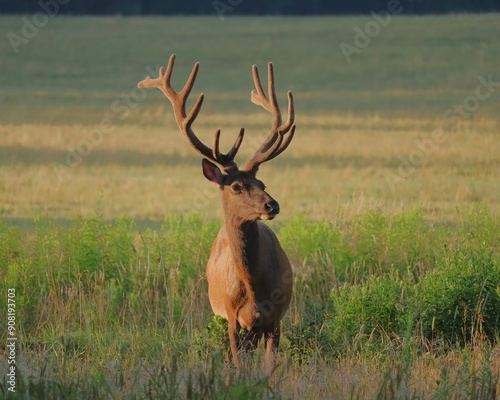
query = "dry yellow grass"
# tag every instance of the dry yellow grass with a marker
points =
(364, 379)
(147, 171)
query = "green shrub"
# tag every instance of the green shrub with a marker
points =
(369, 240)
(377, 243)
(368, 313)
(305, 240)
(213, 339)
(460, 299)
(479, 228)
(93, 244)
(308, 340)
(315, 249)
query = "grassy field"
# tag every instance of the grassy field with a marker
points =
(390, 197)
(384, 307)
(359, 123)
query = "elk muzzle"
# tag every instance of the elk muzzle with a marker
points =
(272, 209)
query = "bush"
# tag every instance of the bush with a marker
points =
(308, 340)
(305, 240)
(460, 299)
(368, 313)
(377, 243)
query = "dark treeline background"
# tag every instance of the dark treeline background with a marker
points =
(244, 7)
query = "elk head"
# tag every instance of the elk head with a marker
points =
(243, 195)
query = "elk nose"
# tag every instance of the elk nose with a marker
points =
(272, 207)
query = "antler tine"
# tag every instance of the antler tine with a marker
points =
(291, 114)
(283, 144)
(236, 146)
(185, 120)
(163, 80)
(276, 142)
(224, 159)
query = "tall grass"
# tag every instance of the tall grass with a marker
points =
(108, 310)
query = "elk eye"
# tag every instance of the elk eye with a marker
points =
(236, 187)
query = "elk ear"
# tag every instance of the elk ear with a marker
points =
(212, 172)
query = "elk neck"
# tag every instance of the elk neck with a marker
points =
(244, 243)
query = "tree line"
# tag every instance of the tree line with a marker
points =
(244, 7)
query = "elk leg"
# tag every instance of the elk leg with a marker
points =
(272, 338)
(234, 340)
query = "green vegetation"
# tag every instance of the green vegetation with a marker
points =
(106, 309)
(392, 226)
